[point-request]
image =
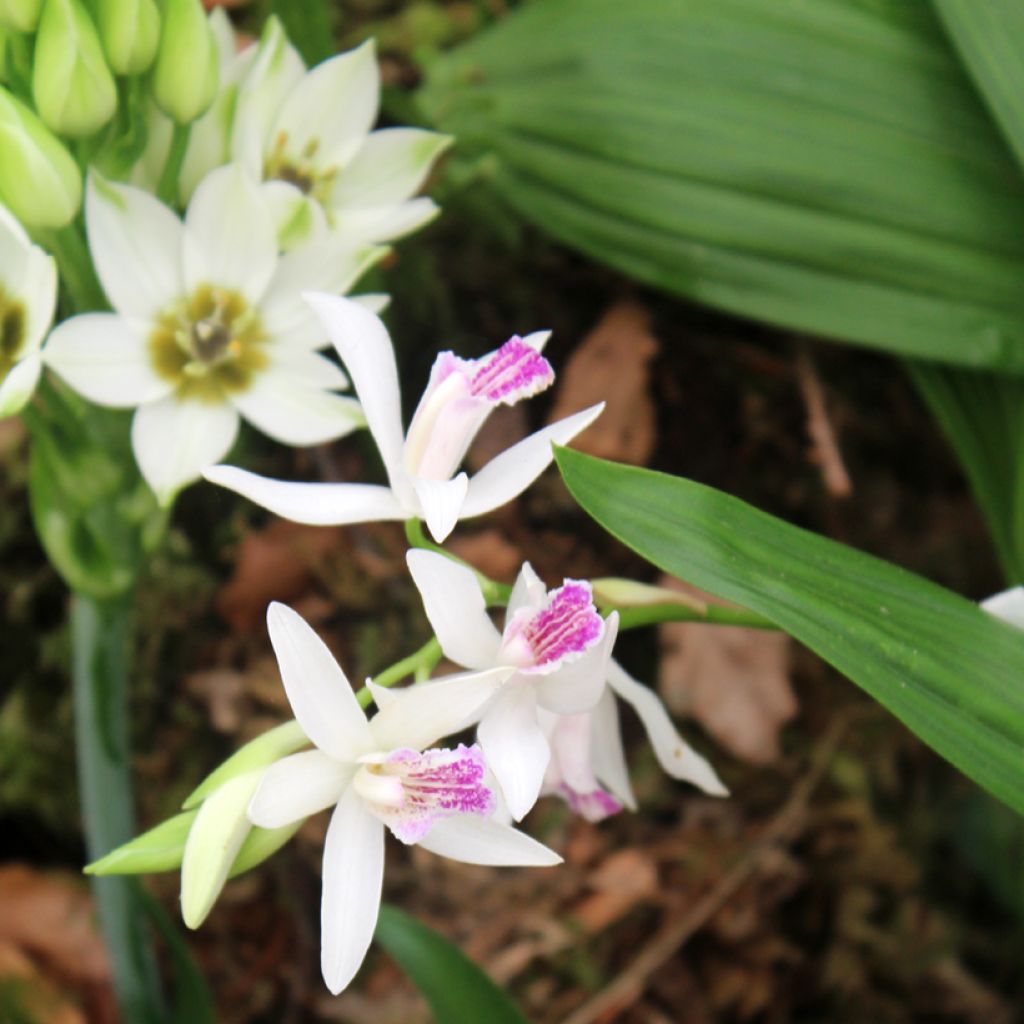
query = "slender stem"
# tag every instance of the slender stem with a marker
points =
(167, 189)
(100, 637)
(716, 615)
(495, 593)
(419, 661)
(77, 275)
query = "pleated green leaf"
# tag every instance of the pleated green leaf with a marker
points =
(951, 672)
(824, 165)
(456, 990)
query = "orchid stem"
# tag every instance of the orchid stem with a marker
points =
(635, 617)
(495, 594)
(168, 188)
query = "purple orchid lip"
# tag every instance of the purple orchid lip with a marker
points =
(435, 784)
(593, 806)
(514, 372)
(567, 624)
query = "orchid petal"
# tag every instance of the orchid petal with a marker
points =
(135, 242)
(577, 685)
(529, 590)
(312, 504)
(455, 607)
(317, 688)
(1007, 605)
(311, 118)
(516, 748)
(294, 413)
(441, 503)
(609, 758)
(390, 166)
(507, 475)
(105, 357)
(230, 240)
(382, 695)
(474, 840)
(174, 440)
(19, 385)
(423, 714)
(365, 349)
(571, 755)
(298, 786)
(675, 756)
(537, 340)
(352, 878)
(213, 842)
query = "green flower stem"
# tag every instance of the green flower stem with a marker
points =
(416, 664)
(100, 638)
(495, 594)
(167, 190)
(637, 616)
(77, 276)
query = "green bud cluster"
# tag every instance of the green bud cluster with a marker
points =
(59, 61)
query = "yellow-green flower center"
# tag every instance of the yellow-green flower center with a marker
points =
(209, 345)
(12, 332)
(302, 171)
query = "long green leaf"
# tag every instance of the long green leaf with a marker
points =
(825, 165)
(951, 672)
(989, 35)
(457, 991)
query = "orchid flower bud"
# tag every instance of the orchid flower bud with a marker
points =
(130, 30)
(187, 69)
(39, 181)
(72, 86)
(20, 15)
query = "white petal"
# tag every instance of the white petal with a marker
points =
(299, 220)
(213, 842)
(609, 758)
(537, 340)
(365, 349)
(136, 246)
(509, 474)
(675, 756)
(14, 244)
(383, 223)
(353, 875)
(230, 239)
(38, 290)
(529, 589)
(313, 504)
(474, 840)
(390, 166)
(516, 748)
(1007, 605)
(456, 610)
(571, 756)
(19, 384)
(294, 413)
(333, 107)
(441, 503)
(323, 266)
(375, 302)
(296, 787)
(308, 367)
(105, 357)
(423, 714)
(577, 685)
(317, 688)
(174, 441)
(382, 695)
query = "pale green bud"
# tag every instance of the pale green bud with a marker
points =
(613, 590)
(187, 69)
(20, 15)
(130, 30)
(72, 86)
(39, 181)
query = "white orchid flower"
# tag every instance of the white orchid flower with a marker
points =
(208, 325)
(28, 295)
(378, 773)
(562, 651)
(1007, 605)
(422, 464)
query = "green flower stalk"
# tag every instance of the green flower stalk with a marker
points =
(72, 86)
(39, 181)
(130, 31)
(20, 15)
(187, 69)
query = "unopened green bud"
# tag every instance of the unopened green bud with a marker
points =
(20, 15)
(130, 30)
(613, 590)
(39, 181)
(187, 69)
(72, 86)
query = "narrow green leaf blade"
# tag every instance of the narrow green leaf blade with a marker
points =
(951, 672)
(457, 991)
(309, 24)
(988, 35)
